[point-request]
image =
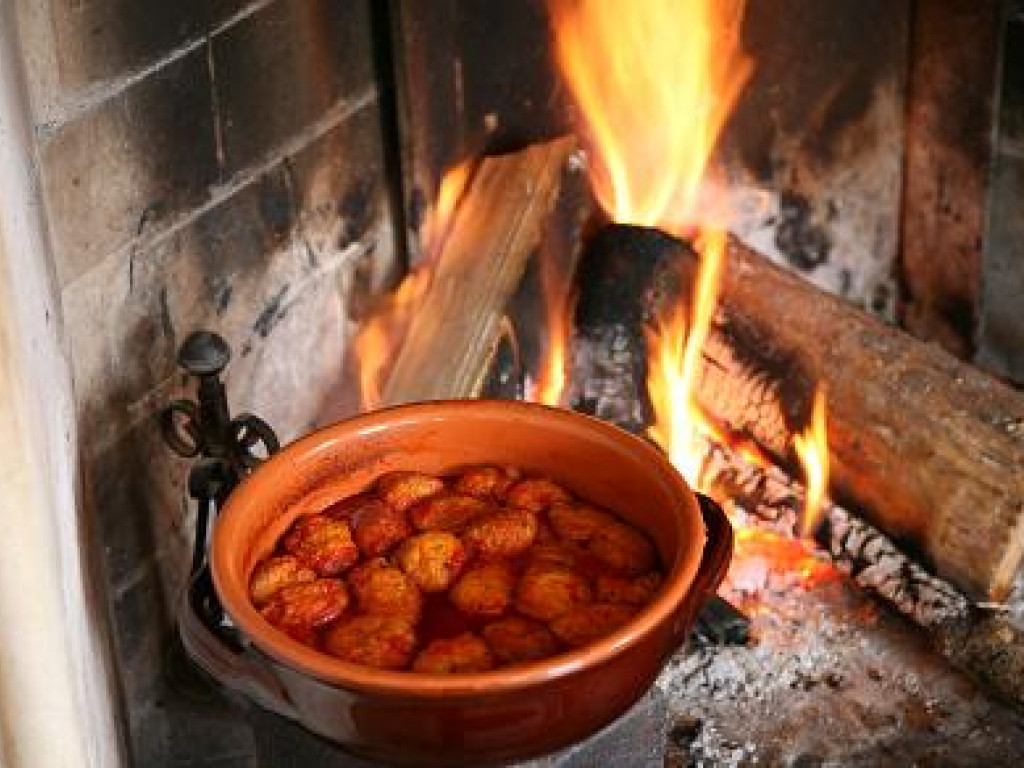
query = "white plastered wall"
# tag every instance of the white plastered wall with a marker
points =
(55, 700)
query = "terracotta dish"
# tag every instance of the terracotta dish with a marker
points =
(470, 718)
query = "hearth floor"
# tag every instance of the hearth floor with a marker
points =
(831, 678)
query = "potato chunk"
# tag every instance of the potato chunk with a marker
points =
(536, 494)
(270, 576)
(432, 560)
(447, 512)
(515, 639)
(485, 590)
(381, 589)
(300, 609)
(501, 534)
(323, 544)
(587, 623)
(383, 642)
(377, 527)
(465, 653)
(488, 483)
(547, 590)
(620, 546)
(403, 489)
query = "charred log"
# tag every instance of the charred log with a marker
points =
(982, 641)
(926, 447)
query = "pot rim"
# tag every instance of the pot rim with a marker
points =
(668, 603)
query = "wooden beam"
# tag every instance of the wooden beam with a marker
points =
(500, 222)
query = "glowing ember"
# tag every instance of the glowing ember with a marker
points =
(812, 448)
(381, 335)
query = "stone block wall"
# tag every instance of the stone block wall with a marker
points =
(205, 164)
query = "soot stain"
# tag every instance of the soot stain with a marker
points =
(277, 205)
(273, 312)
(804, 243)
(357, 209)
(223, 298)
(165, 315)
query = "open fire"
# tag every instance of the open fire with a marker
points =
(651, 100)
(654, 88)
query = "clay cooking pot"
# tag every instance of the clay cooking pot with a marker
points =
(508, 714)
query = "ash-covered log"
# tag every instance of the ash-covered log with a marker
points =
(982, 641)
(927, 447)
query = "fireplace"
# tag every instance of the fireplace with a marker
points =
(271, 170)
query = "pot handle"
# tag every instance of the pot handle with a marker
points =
(713, 565)
(218, 649)
(717, 548)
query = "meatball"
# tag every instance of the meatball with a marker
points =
(547, 590)
(432, 560)
(403, 489)
(384, 642)
(273, 574)
(516, 639)
(447, 512)
(586, 623)
(557, 553)
(300, 609)
(544, 533)
(347, 507)
(501, 534)
(629, 591)
(536, 494)
(620, 546)
(325, 545)
(485, 590)
(488, 483)
(377, 527)
(465, 653)
(381, 589)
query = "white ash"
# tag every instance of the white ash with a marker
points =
(831, 678)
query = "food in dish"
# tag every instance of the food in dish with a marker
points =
(484, 568)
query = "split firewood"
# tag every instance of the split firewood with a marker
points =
(499, 224)
(928, 448)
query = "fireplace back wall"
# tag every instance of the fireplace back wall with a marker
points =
(209, 164)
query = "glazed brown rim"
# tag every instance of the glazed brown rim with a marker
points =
(327, 669)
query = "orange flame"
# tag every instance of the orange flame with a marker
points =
(679, 425)
(558, 309)
(654, 81)
(439, 219)
(812, 448)
(381, 336)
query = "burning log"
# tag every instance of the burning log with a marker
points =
(982, 642)
(926, 446)
(499, 224)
